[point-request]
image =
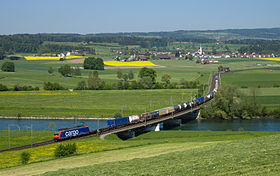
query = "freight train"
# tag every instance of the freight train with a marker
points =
(68, 133)
(123, 121)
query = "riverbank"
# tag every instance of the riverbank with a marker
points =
(55, 118)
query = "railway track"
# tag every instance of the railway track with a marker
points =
(107, 130)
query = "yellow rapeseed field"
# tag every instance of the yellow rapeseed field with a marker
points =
(51, 57)
(272, 59)
(36, 93)
(130, 64)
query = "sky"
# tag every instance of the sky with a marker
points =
(111, 16)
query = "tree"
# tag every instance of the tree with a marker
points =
(76, 71)
(8, 67)
(125, 77)
(3, 87)
(166, 79)
(93, 63)
(81, 85)
(52, 86)
(119, 74)
(177, 54)
(2, 54)
(50, 70)
(94, 82)
(146, 82)
(65, 70)
(25, 157)
(148, 72)
(130, 75)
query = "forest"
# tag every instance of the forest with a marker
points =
(44, 43)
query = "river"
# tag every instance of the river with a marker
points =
(213, 125)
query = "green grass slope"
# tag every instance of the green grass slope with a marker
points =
(257, 156)
(114, 153)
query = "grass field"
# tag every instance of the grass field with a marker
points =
(106, 103)
(35, 73)
(265, 82)
(89, 103)
(156, 153)
(253, 78)
(23, 137)
(270, 97)
(258, 156)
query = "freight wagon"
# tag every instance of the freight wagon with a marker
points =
(118, 121)
(166, 111)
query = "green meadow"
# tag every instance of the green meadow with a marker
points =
(89, 103)
(23, 137)
(156, 153)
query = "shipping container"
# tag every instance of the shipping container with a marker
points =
(134, 118)
(154, 114)
(118, 121)
(144, 116)
(166, 111)
(200, 100)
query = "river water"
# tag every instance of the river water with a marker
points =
(213, 125)
(232, 125)
(37, 124)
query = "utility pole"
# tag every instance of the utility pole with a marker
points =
(9, 133)
(203, 90)
(76, 119)
(9, 136)
(97, 124)
(31, 135)
(220, 79)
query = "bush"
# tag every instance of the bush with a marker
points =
(25, 157)
(3, 87)
(81, 85)
(24, 88)
(65, 70)
(8, 67)
(63, 150)
(52, 86)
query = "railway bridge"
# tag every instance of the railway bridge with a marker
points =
(132, 130)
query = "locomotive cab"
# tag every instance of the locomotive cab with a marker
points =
(56, 136)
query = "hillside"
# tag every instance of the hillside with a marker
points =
(158, 153)
(226, 34)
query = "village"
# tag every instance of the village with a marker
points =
(199, 55)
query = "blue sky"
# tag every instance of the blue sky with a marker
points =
(100, 16)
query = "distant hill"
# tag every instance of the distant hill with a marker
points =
(226, 34)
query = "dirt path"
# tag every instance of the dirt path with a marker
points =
(102, 157)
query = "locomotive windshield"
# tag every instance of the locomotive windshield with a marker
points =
(56, 133)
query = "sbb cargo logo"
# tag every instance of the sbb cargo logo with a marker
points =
(72, 133)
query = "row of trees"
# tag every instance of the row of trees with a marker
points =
(146, 80)
(230, 103)
(34, 43)
(18, 88)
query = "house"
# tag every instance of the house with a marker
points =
(165, 57)
(143, 58)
